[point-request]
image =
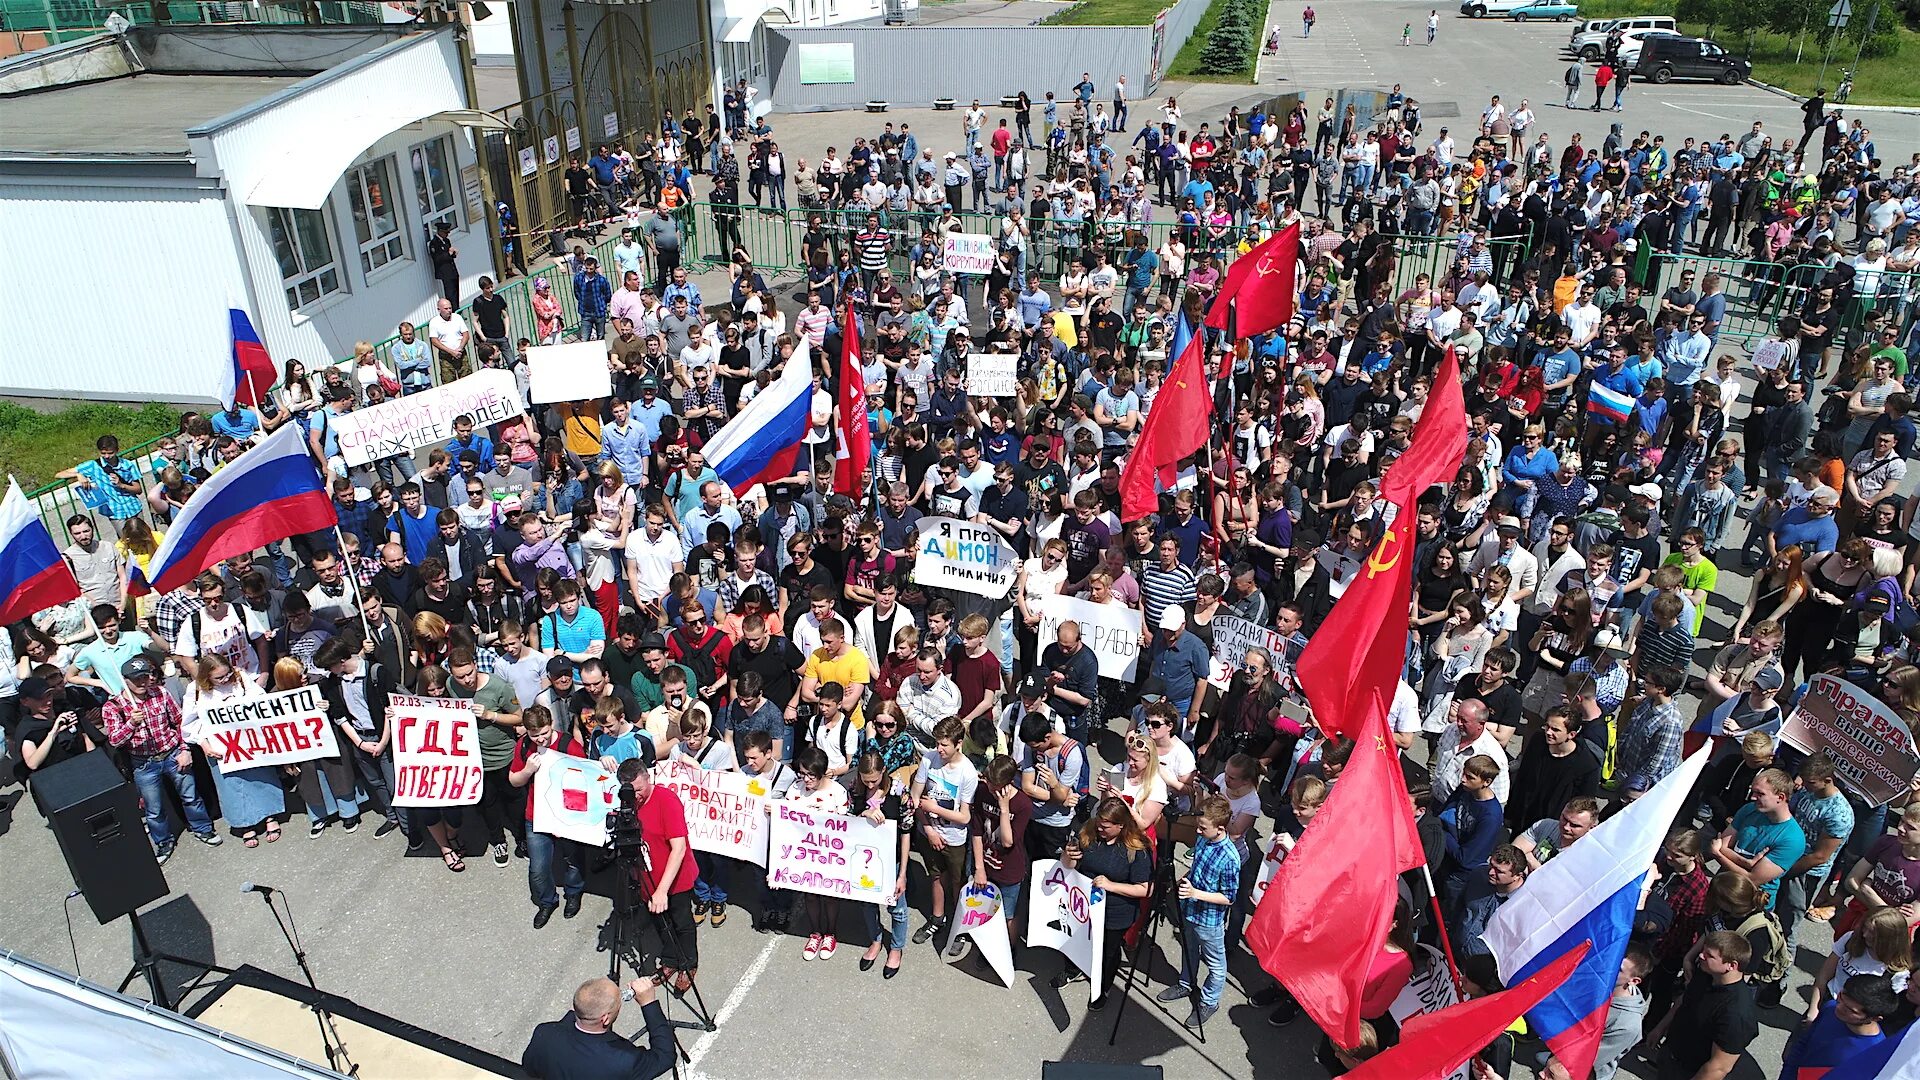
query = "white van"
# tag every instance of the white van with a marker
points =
(1590, 39)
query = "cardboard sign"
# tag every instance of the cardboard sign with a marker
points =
(1873, 752)
(1067, 914)
(967, 253)
(575, 371)
(572, 797)
(1233, 636)
(724, 817)
(274, 729)
(1114, 632)
(1430, 990)
(962, 555)
(406, 424)
(834, 855)
(611, 124)
(983, 918)
(992, 374)
(436, 751)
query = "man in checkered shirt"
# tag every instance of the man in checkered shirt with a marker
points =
(144, 721)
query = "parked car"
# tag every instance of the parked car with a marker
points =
(1628, 52)
(1480, 9)
(1664, 59)
(1558, 10)
(1590, 44)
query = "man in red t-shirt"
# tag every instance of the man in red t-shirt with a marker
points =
(704, 651)
(666, 880)
(540, 740)
(975, 670)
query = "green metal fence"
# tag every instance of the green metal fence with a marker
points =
(69, 20)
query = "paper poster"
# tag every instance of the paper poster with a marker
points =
(1112, 631)
(610, 123)
(983, 919)
(551, 146)
(573, 139)
(1430, 990)
(574, 371)
(831, 854)
(273, 729)
(406, 424)
(436, 751)
(1873, 752)
(529, 164)
(966, 556)
(1233, 636)
(967, 253)
(724, 815)
(992, 374)
(572, 797)
(1067, 914)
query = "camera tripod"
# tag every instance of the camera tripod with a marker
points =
(1160, 892)
(620, 934)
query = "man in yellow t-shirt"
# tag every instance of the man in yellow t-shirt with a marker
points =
(839, 662)
(580, 426)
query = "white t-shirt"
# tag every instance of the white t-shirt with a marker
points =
(951, 786)
(653, 560)
(230, 637)
(715, 756)
(450, 332)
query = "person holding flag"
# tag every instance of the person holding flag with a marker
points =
(855, 438)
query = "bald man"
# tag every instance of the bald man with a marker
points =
(1468, 734)
(582, 1045)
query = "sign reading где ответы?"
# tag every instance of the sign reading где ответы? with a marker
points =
(436, 751)
(964, 555)
(271, 729)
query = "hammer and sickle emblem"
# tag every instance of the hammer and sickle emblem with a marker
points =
(1378, 563)
(1265, 266)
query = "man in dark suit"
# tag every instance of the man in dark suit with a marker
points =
(582, 1045)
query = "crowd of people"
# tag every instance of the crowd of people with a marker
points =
(584, 577)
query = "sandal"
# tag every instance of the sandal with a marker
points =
(249, 840)
(453, 860)
(273, 831)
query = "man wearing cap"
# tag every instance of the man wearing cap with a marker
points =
(50, 729)
(144, 721)
(1504, 549)
(1758, 709)
(1181, 662)
(443, 256)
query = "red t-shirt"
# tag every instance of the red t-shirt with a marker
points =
(976, 676)
(1001, 139)
(663, 817)
(567, 745)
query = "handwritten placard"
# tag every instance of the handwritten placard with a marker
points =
(835, 855)
(992, 374)
(272, 729)
(1068, 914)
(436, 751)
(1112, 631)
(406, 424)
(1872, 750)
(723, 816)
(966, 556)
(967, 253)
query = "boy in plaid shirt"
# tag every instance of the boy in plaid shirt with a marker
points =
(1206, 895)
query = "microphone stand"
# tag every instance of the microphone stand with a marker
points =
(336, 1048)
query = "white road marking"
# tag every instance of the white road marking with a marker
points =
(727, 1008)
(1696, 112)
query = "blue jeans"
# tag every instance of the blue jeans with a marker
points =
(1208, 943)
(896, 918)
(541, 849)
(593, 328)
(711, 886)
(152, 776)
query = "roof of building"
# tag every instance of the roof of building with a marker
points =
(131, 116)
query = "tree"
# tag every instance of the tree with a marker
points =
(1230, 42)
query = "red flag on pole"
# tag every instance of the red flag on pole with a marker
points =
(856, 441)
(1433, 1045)
(1176, 427)
(1261, 285)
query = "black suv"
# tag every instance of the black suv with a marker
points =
(1663, 59)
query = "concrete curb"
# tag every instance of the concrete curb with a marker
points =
(1844, 106)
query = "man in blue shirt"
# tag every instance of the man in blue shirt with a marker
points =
(238, 422)
(1810, 526)
(1142, 265)
(1684, 352)
(412, 526)
(602, 165)
(649, 410)
(1180, 663)
(464, 440)
(626, 444)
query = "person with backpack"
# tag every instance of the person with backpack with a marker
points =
(356, 688)
(702, 650)
(1054, 773)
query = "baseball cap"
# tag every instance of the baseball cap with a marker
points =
(1033, 686)
(34, 687)
(650, 383)
(1769, 678)
(1172, 618)
(558, 666)
(1649, 491)
(136, 667)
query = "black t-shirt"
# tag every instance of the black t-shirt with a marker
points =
(1633, 553)
(1123, 866)
(776, 665)
(1503, 703)
(68, 744)
(798, 585)
(1712, 1015)
(490, 314)
(918, 462)
(1342, 477)
(453, 608)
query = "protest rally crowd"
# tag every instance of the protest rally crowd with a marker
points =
(584, 576)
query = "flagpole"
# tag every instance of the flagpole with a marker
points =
(1440, 923)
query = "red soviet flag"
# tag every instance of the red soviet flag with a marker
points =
(856, 441)
(1261, 285)
(1433, 1045)
(1176, 427)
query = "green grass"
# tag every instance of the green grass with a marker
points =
(1186, 63)
(1109, 13)
(35, 446)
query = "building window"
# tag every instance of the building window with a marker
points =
(308, 267)
(434, 183)
(758, 45)
(376, 218)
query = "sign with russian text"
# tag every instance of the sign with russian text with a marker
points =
(574, 371)
(1068, 914)
(848, 858)
(406, 424)
(572, 797)
(1430, 990)
(983, 918)
(273, 729)
(723, 816)
(967, 253)
(436, 751)
(1233, 636)
(1872, 750)
(992, 374)
(1112, 631)
(966, 556)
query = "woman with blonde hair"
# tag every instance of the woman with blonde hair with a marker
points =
(429, 639)
(1139, 785)
(138, 541)
(326, 784)
(1882, 944)
(249, 798)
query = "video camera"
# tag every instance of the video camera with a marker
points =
(624, 835)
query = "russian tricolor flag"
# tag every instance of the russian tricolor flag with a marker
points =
(1608, 404)
(267, 494)
(762, 442)
(251, 372)
(33, 576)
(1589, 892)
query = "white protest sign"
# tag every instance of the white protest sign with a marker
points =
(436, 751)
(1112, 631)
(967, 253)
(406, 424)
(724, 817)
(972, 558)
(574, 371)
(610, 123)
(983, 918)
(1067, 914)
(992, 374)
(1276, 854)
(572, 797)
(1233, 636)
(850, 858)
(271, 729)
(1430, 990)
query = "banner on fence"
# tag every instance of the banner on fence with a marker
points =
(406, 424)
(574, 371)
(572, 797)
(967, 253)
(963, 555)
(983, 918)
(275, 729)
(850, 858)
(723, 816)
(436, 751)
(1067, 914)
(1872, 749)
(1112, 631)
(992, 374)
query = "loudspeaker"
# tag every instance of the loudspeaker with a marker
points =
(95, 815)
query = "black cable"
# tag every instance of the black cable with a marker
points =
(67, 907)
